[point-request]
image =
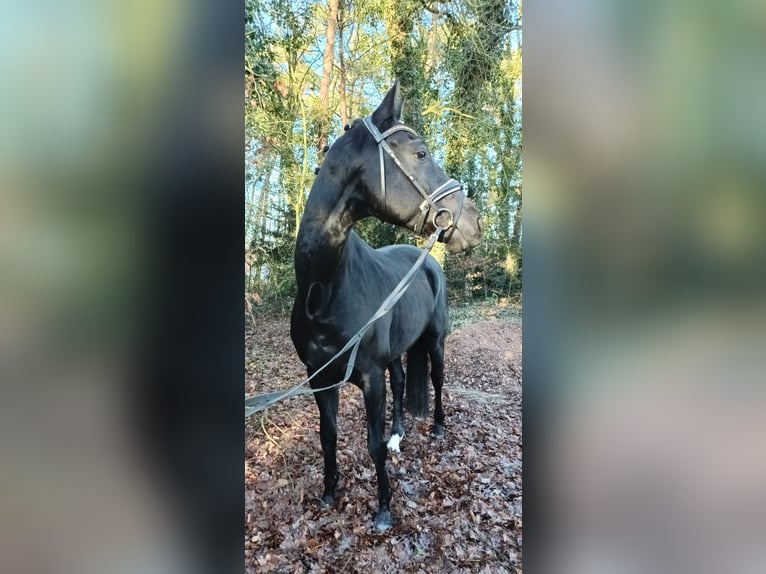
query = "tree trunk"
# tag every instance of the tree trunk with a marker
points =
(407, 57)
(324, 86)
(262, 208)
(342, 67)
(516, 235)
(431, 57)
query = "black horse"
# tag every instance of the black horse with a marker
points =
(342, 280)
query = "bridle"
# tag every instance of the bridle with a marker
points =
(429, 199)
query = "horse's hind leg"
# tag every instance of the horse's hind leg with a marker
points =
(375, 405)
(396, 372)
(327, 401)
(436, 352)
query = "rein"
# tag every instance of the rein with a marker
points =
(429, 199)
(257, 403)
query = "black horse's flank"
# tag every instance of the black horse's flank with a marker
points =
(342, 281)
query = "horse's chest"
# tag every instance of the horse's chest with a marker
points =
(320, 337)
(316, 344)
(321, 347)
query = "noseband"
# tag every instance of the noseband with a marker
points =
(429, 200)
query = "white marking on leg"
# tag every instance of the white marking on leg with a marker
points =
(393, 442)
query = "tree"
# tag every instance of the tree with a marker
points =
(327, 67)
(311, 67)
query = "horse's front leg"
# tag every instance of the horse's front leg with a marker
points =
(396, 372)
(327, 401)
(375, 405)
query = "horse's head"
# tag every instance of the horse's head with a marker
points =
(400, 181)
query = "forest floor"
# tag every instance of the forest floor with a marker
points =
(456, 501)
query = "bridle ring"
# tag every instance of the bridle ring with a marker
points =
(451, 218)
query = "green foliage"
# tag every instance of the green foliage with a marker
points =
(459, 64)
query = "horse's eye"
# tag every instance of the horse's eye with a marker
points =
(421, 155)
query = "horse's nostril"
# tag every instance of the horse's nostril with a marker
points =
(479, 224)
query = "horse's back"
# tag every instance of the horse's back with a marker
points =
(406, 256)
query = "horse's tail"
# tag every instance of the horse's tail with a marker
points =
(417, 379)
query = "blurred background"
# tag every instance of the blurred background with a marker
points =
(121, 216)
(644, 179)
(120, 168)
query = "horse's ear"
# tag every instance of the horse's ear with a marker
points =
(390, 109)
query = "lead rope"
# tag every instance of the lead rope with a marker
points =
(257, 403)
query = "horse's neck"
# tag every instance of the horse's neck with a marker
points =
(318, 254)
(322, 238)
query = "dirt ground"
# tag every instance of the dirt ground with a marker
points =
(456, 501)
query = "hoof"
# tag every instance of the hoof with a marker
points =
(327, 500)
(393, 442)
(383, 520)
(437, 430)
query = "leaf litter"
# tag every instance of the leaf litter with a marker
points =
(457, 501)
